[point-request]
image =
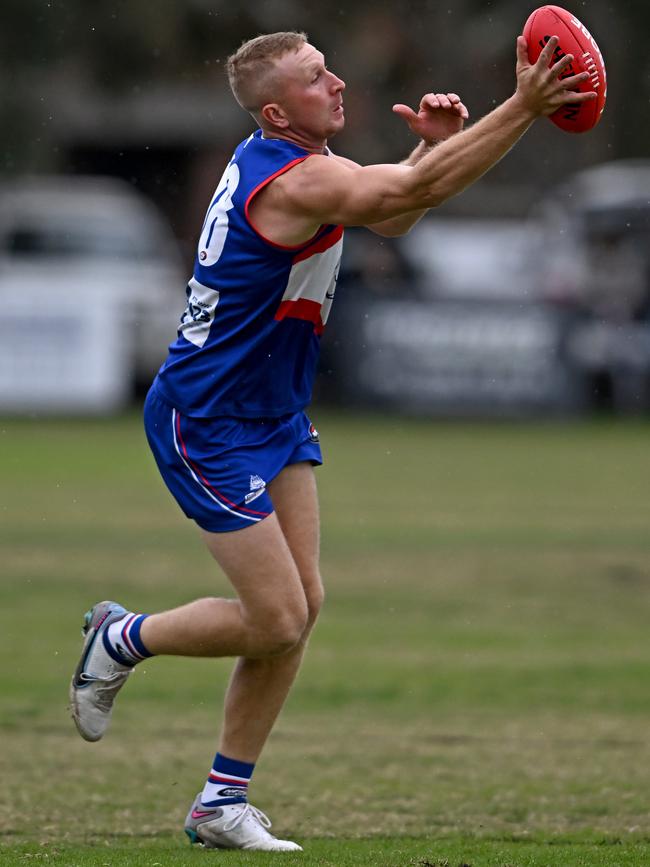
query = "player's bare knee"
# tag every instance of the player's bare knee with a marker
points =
(315, 596)
(278, 629)
(282, 638)
(288, 629)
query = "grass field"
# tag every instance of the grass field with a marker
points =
(477, 691)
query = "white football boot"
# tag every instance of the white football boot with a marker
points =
(233, 826)
(98, 677)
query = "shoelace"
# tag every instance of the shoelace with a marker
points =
(254, 813)
(106, 687)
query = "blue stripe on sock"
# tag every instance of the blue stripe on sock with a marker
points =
(134, 636)
(221, 802)
(114, 655)
(224, 765)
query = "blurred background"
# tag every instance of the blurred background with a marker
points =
(527, 295)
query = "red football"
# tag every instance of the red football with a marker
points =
(574, 39)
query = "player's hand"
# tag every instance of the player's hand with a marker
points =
(539, 87)
(440, 115)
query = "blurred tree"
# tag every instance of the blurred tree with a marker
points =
(130, 71)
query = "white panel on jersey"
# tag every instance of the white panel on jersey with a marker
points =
(314, 279)
(199, 313)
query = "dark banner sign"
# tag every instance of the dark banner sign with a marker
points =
(457, 357)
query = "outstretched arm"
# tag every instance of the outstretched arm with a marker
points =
(323, 190)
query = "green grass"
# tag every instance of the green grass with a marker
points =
(477, 690)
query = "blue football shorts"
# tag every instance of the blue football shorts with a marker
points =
(218, 469)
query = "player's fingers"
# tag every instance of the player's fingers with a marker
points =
(462, 110)
(574, 80)
(429, 100)
(562, 64)
(443, 100)
(405, 112)
(547, 52)
(570, 96)
(453, 98)
(522, 51)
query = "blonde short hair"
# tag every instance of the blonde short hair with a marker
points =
(250, 68)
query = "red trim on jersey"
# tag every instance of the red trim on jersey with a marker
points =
(302, 308)
(261, 187)
(205, 481)
(319, 245)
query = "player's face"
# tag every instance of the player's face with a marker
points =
(311, 95)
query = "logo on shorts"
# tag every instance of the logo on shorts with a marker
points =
(258, 486)
(313, 434)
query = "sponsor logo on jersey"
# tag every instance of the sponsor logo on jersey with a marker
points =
(200, 311)
(313, 434)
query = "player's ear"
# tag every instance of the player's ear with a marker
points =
(274, 114)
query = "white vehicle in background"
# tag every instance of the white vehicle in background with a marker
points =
(463, 258)
(91, 290)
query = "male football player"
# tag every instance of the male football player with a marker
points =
(225, 415)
